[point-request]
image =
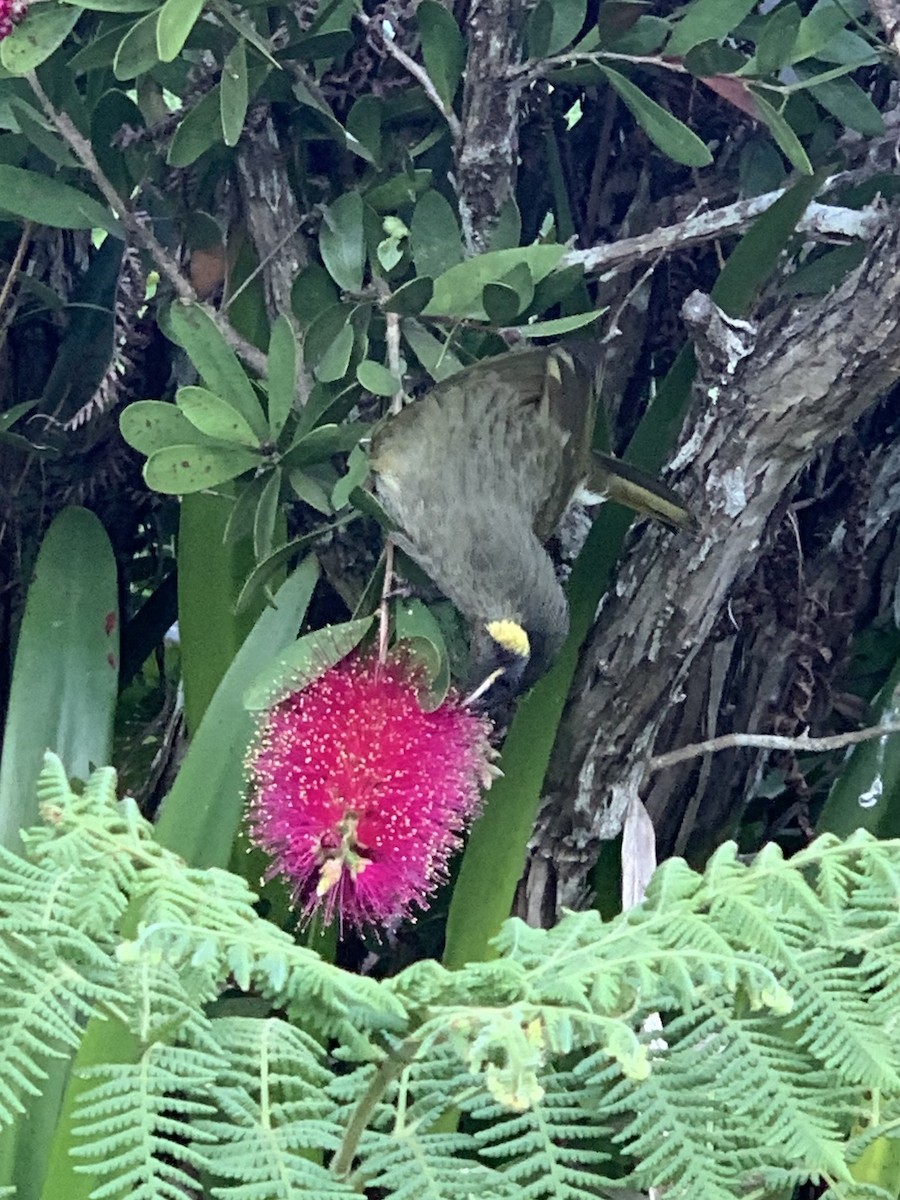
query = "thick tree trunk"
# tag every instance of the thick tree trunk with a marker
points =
(669, 644)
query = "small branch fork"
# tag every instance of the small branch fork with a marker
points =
(138, 231)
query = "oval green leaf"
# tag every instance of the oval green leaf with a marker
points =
(180, 470)
(200, 129)
(176, 20)
(342, 243)
(707, 20)
(443, 48)
(149, 425)
(214, 416)
(194, 329)
(434, 235)
(458, 291)
(45, 30)
(266, 515)
(376, 378)
(137, 50)
(411, 298)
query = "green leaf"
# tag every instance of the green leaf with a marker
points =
(537, 31)
(201, 814)
(149, 425)
(435, 356)
(305, 661)
(234, 93)
(200, 129)
(31, 43)
(46, 201)
(66, 669)
(11, 415)
(413, 621)
(41, 133)
(312, 293)
(507, 232)
(775, 44)
(458, 291)
(214, 416)
(866, 794)
(180, 470)
(411, 298)
(376, 378)
(357, 473)
(323, 442)
(282, 374)
(846, 100)
(239, 524)
(311, 492)
(501, 303)
(707, 20)
(788, 142)
(342, 243)
(566, 18)
(364, 123)
(176, 20)
(824, 21)
(559, 325)
(665, 131)
(333, 364)
(435, 234)
(196, 332)
(137, 50)
(266, 517)
(443, 48)
(323, 330)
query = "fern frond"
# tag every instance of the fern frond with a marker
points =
(138, 1126)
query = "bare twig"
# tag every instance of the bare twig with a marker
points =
(384, 615)
(140, 234)
(418, 73)
(771, 741)
(887, 13)
(819, 220)
(14, 269)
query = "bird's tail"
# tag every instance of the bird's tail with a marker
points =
(614, 479)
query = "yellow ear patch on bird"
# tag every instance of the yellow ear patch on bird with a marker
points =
(511, 636)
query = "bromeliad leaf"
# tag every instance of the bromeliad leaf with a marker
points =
(305, 661)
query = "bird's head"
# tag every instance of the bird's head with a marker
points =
(505, 660)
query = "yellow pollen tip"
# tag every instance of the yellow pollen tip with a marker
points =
(511, 636)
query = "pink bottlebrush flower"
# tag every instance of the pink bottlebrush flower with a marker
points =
(12, 12)
(360, 795)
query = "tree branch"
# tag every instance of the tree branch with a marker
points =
(140, 234)
(418, 72)
(771, 741)
(819, 221)
(759, 419)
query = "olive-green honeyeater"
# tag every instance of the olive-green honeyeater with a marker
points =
(477, 474)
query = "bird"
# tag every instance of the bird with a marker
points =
(476, 475)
